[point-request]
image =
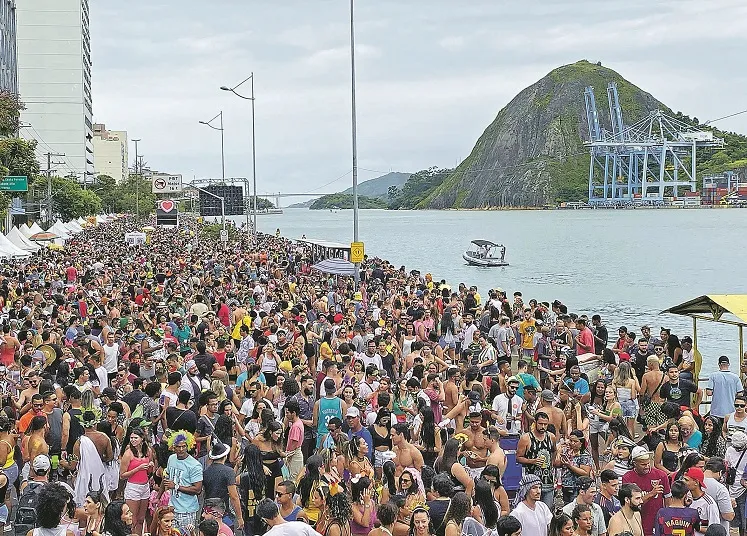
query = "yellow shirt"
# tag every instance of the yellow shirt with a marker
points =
(527, 328)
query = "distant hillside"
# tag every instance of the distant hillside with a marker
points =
(346, 201)
(305, 204)
(379, 187)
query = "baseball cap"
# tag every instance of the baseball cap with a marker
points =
(353, 412)
(640, 452)
(548, 395)
(109, 392)
(189, 364)
(696, 473)
(41, 464)
(723, 360)
(512, 379)
(624, 356)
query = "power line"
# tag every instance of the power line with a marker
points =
(332, 181)
(725, 117)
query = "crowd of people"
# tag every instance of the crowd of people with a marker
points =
(188, 386)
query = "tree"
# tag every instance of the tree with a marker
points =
(10, 113)
(108, 191)
(71, 201)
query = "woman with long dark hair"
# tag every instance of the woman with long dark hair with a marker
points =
(118, 519)
(485, 509)
(363, 507)
(492, 475)
(339, 513)
(576, 462)
(420, 523)
(381, 434)
(713, 443)
(448, 463)
(561, 525)
(251, 482)
(137, 464)
(309, 482)
(459, 509)
(428, 441)
(666, 455)
(224, 426)
(94, 508)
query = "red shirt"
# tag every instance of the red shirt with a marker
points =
(650, 508)
(587, 338)
(71, 273)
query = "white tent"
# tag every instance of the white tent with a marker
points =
(102, 218)
(20, 241)
(81, 220)
(60, 230)
(35, 229)
(25, 230)
(64, 227)
(8, 249)
(74, 227)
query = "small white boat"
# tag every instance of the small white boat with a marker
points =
(485, 253)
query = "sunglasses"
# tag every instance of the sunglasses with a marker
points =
(739, 405)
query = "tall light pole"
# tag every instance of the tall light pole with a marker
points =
(137, 181)
(222, 153)
(254, 150)
(356, 272)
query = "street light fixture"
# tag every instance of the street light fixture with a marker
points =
(254, 149)
(137, 181)
(356, 273)
(222, 153)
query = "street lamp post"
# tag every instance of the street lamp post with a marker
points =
(137, 182)
(222, 153)
(356, 272)
(254, 149)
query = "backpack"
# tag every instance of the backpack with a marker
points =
(137, 418)
(25, 519)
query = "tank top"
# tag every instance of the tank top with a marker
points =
(269, 364)
(732, 425)
(380, 441)
(328, 408)
(624, 394)
(669, 459)
(76, 429)
(10, 460)
(355, 528)
(621, 467)
(543, 450)
(141, 477)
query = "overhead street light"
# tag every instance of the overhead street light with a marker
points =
(254, 149)
(222, 153)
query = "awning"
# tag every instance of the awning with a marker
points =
(713, 307)
(335, 267)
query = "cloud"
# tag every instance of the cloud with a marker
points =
(431, 75)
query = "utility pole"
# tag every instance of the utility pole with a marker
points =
(49, 184)
(356, 273)
(137, 182)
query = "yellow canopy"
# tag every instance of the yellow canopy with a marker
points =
(713, 306)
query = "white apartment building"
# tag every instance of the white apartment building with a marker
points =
(110, 154)
(8, 67)
(54, 81)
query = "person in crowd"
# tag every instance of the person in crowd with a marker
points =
(653, 482)
(628, 518)
(118, 519)
(606, 498)
(270, 514)
(713, 473)
(587, 492)
(183, 479)
(532, 513)
(723, 387)
(677, 516)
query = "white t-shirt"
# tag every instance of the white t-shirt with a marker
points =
(534, 522)
(500, 406)
(718, 492)
(103, 377)
(374, 359)
(292, 528)
(111, 353)
(169, 399)
(734, 458)
(708, 509)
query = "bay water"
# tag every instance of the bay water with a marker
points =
(626, 265)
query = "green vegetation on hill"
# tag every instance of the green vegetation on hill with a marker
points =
(345, 201)
(417, 188)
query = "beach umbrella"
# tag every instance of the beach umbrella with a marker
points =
(43, 236)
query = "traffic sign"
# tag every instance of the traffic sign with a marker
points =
(224, 235)
(357, 251)
(166, 184)
(14, 184)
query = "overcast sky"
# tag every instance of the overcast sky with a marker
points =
(431, 75)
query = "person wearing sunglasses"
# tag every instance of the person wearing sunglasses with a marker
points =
(736, 421)
(289, 511)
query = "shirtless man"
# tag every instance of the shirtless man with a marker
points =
(406, 454)
(496, 455)
(451, 388)
(628, 518)
(416, 347)
(558, 423)
(477, 444)
(24, 399)
(35, 442)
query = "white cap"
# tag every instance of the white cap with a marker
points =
(353, 412)
(640, 452)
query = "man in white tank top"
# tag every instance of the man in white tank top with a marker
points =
(737, 421)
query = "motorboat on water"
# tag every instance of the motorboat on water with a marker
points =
(485, 253)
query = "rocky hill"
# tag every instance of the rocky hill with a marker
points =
(533, 153)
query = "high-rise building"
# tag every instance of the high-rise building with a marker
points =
(54, 81)
(8, 65)
(110, 154)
